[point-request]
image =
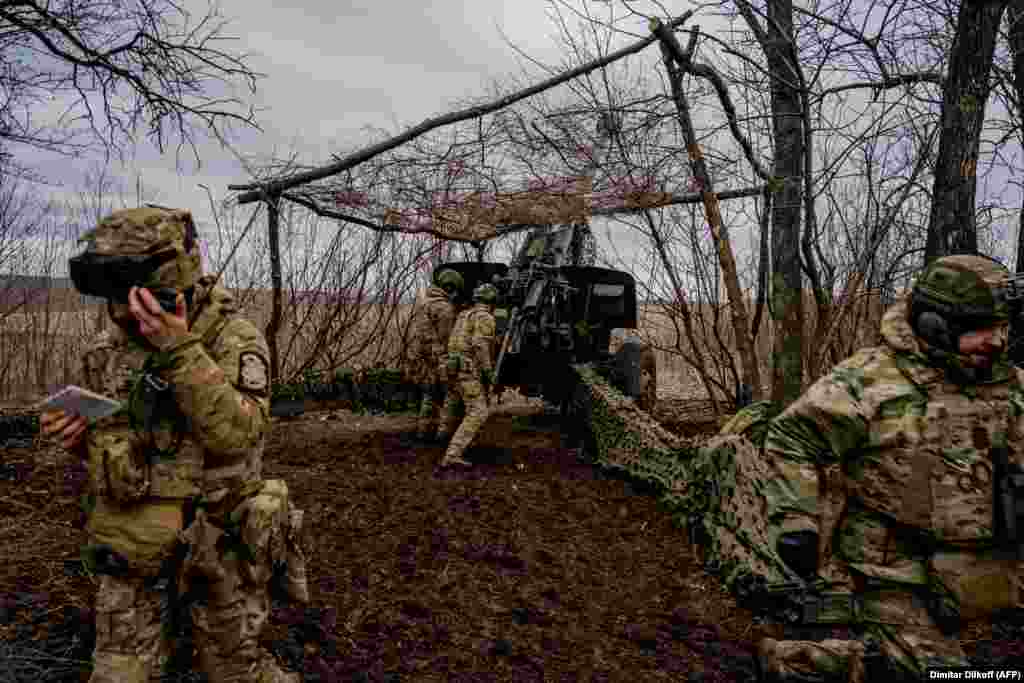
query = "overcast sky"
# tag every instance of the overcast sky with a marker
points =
(334, 67)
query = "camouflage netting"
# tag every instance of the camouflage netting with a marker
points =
(623, 437)
(710, 490)
(726, 511)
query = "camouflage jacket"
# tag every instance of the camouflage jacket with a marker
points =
(432, 325)
(473, 339)
(208, 435)
(906, 451)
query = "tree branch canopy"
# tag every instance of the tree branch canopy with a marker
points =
(116, 69)
(276, 186)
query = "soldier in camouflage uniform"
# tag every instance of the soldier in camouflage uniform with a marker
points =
(913, 432)
(179, 510)
(432, 325)
(470, 374)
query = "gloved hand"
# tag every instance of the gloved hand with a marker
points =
(799, 550)
(487, 376)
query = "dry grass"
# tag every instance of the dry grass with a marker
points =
(40, 348)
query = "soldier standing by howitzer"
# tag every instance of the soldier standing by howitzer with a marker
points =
(926, 432)
(470, 373)
(433, 320)
(180, 512)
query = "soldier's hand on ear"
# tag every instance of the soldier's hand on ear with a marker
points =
(161, 328)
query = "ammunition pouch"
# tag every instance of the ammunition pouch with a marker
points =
(252, 539)
(121, 465)
(117, 470)
(142, 535)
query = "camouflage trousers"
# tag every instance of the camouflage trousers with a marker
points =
(903, 650)
(466, 395)
(134, 638)
(431, 378)
(431, 405)
(224, 585)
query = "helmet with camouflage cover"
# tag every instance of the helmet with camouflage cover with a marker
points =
(486, 294)
(151, 231)
(957, 294)
(449, 280)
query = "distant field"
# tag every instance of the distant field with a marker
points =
(40, 350)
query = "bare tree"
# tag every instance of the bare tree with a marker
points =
(81, 74)
(952, 225)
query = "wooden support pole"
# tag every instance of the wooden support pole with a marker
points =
(274, 325)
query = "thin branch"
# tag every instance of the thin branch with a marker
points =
(276, 186)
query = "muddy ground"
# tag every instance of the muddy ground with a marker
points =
(531, 566)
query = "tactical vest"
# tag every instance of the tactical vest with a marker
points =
(466, 337)
(122, 458)
(931, 445)
(138, 495)
(434, 317)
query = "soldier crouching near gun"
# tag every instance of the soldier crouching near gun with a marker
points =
(470, 371)
(927, 430)
(180, 512)
(432, 326)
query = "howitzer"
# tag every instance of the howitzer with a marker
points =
(555, 310)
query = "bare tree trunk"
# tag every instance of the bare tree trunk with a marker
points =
(951, 226)
(1015, 13)
(786, 284)
(274, 325)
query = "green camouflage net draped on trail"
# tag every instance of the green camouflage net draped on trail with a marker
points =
(725, 508)
(621, 436)
(715, 491)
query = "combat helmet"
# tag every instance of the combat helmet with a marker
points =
(449, 280)
(486, 294)
(151, 246)
(960, 293)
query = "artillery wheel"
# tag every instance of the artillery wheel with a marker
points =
(648, 380)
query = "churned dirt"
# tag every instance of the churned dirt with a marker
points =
(531, 566)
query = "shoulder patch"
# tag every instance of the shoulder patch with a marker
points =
(252, 372)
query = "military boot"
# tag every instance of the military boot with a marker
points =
(454, 459)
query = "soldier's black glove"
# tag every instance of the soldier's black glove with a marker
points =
(799, 550)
